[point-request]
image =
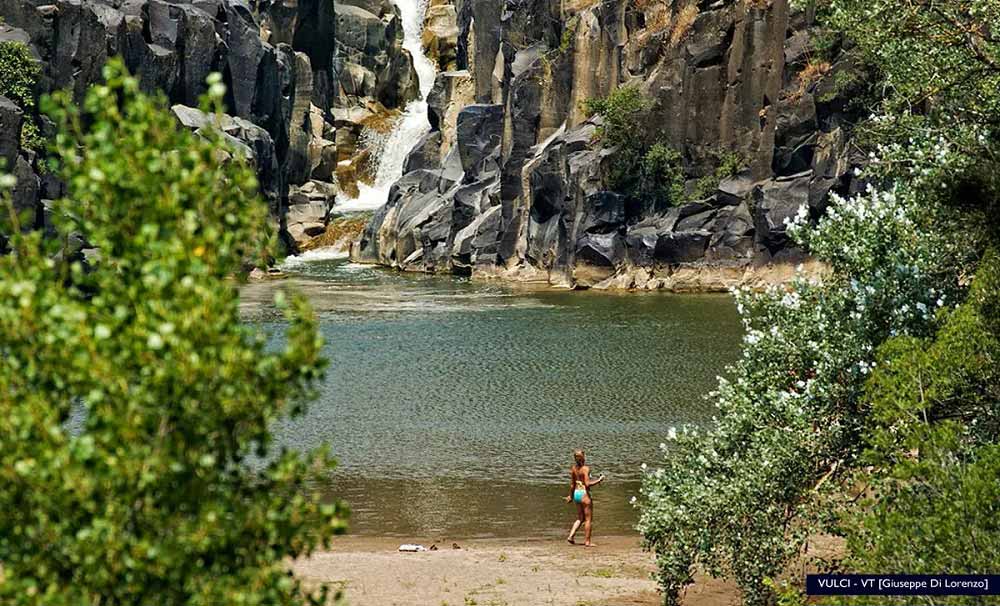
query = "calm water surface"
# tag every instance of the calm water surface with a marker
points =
(453, 405)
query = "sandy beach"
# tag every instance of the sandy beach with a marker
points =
(498, 572)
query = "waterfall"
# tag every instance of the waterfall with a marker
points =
(412, 124)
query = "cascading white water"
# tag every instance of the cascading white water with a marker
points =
(410, 127)
(413, 13)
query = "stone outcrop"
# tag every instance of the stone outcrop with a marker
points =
(374, 79)
(250, 141)
(440, 39)
(288, 65)
(11, 118)
(514, 182)
(370, 60)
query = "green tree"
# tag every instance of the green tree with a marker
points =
(651, 173)
(740, 497)
(170, 490)
(932, 458)
(621, 110)
(727, 164)
(661, 176)
(800, 423)
(932, 511)
(941, 58)
(938, 66)
(937, 512)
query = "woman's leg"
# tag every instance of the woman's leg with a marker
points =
(588, 520)
(576, 524)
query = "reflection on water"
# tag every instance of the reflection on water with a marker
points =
(448, 507)
(453, 405)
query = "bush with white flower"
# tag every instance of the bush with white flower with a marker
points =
(796, 414)
(739, 498)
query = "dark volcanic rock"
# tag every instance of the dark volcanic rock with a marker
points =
(25, 193)
(777, 201)
(795, 135)
(426, 155)
(369, 61)
(282, 63)
(682, 246)
(479, 132)
(534, 198)
(605, 250)
(248, 139)
(513, 179)
(11, 118)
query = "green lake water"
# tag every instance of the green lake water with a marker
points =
(453, 405)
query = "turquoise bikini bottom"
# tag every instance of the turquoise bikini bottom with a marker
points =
(578, 495)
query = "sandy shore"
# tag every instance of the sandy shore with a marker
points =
(498, 572)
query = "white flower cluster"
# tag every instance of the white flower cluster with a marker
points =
(809, 347)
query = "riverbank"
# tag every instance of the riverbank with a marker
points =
(342, 239)
(684, 279)
(496, 572)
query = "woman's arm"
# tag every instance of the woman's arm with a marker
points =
(572, 487)
(595, 482)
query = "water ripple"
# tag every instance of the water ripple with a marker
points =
(437, 380)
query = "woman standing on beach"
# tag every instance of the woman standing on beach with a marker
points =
(579, 493)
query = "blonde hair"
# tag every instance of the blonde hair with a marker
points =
(579, 456)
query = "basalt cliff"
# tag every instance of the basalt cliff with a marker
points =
(513, 182)
(303, 79)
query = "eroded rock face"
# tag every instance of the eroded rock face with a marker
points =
(252, 142)
(370, 61)
(441, 32)
(309, 208)
(11, 118)
(511, 181)
(522, 189)
(284, 62)
(374, 79)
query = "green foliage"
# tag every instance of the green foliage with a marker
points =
(661, 176)
(845, 80)
(936, 512)
(565, 43)
(786, 594)
(934, 129)
(622, 112)
(731, 164)
(801, 426)
(31, 136)
(569, 31)
(932, 459)
(18, 76)
(824, 43)
(939, 53)
(650, 173)
(728, 164)
(954, 376)
(739, 497)
(939, 61)
(136, 458)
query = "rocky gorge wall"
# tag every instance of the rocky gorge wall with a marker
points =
(298, 72)
(513, 181)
